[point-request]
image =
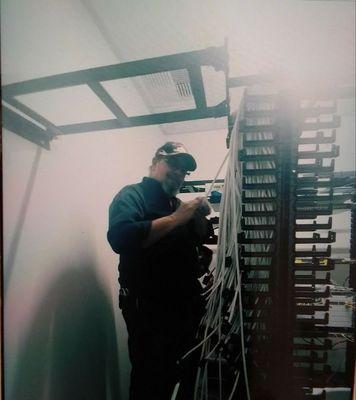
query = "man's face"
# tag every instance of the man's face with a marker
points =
(170, 171)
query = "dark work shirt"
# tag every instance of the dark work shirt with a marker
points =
(165, 269)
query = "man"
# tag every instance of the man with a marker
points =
(157, 236)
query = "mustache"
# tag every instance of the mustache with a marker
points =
(175, 177)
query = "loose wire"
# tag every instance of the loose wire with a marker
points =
(227, 279)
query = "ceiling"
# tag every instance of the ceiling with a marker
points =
(302, 38)
(309, 41)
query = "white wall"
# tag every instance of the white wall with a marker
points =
(64, 336)
(56, 252)
(60, 236)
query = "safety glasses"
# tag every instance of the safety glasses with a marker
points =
(175, 164)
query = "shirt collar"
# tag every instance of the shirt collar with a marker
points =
(153, 184)
(156, 186)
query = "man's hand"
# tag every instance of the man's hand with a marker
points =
(187, 210)
(160, 227)
(204, 208)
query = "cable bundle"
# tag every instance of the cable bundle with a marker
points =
(222, 348)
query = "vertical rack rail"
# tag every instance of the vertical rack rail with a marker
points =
(312, 238)
(287, 155)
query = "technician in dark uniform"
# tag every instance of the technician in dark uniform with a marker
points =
(157, 236)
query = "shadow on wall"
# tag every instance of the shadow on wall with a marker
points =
(10, 262)
(71, 350)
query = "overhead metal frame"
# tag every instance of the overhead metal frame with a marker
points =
(41, 131)
(93, 77)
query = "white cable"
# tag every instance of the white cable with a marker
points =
(226, 279)
(198, 345)
(216, 176)
(175, 391)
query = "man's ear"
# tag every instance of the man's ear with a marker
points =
(154, 162)
(153, 168)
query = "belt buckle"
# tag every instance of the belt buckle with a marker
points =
(124, 292)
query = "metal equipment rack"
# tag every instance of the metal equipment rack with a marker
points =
(286, 241)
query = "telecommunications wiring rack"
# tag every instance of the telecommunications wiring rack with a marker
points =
(267, 331)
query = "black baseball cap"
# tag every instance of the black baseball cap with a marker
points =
(177, 150)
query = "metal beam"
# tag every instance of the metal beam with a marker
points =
(197, 183)
(217, 111)
(105, 97)
(215, 56)
(51, 128)
(248, 80)
(197, 85)
(25, 128)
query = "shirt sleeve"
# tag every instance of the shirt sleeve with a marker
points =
(127, 225)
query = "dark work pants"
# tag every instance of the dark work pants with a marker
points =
(160, 333)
